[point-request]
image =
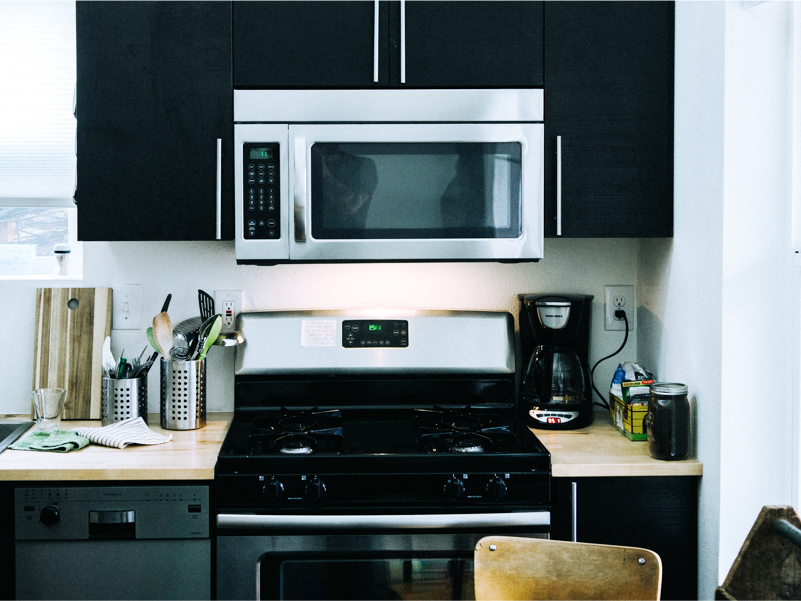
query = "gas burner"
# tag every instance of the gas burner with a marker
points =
(296, 444)
(296, 432)
(468, 430)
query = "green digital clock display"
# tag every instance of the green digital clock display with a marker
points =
(374, 327)
(261, 153)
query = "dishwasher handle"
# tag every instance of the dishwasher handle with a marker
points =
(112, 517)
(112, 524)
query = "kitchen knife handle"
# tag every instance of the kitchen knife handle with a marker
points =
(558, 185)
(403, 41)
(219, 188)
(300, 189)
(375, 41)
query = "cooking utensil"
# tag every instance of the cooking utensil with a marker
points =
(166, 304)
(212, 336)
(203, 335)
(180, 349)
(162, 330)
(109, 362)
(151, 337)
(229, 338)
(206, 303)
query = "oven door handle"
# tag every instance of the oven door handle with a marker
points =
(368, 522)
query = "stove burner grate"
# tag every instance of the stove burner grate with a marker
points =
(297, 432)
(468, 431)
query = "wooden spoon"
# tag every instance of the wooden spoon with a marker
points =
(162, 330)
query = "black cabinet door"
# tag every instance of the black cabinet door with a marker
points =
(469, 44)
(310, 44)
(154, 95)
(656, 513)
(609, 96)
(359, 44)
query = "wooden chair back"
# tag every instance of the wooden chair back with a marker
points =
(508, 568)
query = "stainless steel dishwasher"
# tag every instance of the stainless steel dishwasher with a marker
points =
(116, 542)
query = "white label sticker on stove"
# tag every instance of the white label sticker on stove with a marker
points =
(318, 332)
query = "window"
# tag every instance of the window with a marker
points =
(38, 220)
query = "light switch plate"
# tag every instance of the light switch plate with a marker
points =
(126, 307)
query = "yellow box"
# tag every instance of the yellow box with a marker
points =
(629, 417)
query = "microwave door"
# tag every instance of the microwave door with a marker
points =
(261, 191)
(416, 192)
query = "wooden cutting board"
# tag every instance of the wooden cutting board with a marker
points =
(71, 325)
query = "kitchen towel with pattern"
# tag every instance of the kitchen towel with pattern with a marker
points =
(60, 441)
(122, 433)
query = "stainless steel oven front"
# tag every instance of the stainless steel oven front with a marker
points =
(358, 557)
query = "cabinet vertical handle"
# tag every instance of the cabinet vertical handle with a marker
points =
(403, 41)
(559, 186)
(300, 189)
(219, 188)
(574, 512)
(375, 41)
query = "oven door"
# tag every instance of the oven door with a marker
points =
(454, 191)
(358, 557)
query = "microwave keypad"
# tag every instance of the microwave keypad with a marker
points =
(262, 210)
(382, 333)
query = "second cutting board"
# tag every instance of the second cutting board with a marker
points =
(71, 324)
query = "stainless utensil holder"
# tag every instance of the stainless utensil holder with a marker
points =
(123, 399)
(183, 394)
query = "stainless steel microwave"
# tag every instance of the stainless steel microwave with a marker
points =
(388, 175)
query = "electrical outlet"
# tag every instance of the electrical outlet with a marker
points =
(228, 303)
(126, 307)
(619, 298)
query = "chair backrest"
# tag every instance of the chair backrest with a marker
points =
(508, 567)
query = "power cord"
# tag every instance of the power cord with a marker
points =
(619, 314)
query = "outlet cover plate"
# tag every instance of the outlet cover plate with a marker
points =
(228, 296)
(620, 297)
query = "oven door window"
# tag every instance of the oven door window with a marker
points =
(400, 190)
(419, 577)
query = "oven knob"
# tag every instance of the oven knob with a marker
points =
(454, 488)
(273, 489)
(49, 516)
(315, 490)
(496, 488)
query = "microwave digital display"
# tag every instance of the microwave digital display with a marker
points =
(261, 152)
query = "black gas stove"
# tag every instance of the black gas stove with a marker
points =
(428, 426)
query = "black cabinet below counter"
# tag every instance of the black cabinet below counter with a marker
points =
(659, 513)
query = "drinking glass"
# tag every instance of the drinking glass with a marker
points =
(48, 403)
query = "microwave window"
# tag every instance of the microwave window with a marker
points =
(415, 190)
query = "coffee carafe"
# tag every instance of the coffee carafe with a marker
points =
(555, 391)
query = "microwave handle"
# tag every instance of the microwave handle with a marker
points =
(403, 41)
(375, 41)
(219, 188)
(300, 190)
(558, 185)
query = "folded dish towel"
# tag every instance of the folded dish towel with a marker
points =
(120, 434)
(60, 441)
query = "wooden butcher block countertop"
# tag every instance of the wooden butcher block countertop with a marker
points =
(596, 451)
(190, 455)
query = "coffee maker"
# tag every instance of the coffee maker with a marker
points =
(555, 386)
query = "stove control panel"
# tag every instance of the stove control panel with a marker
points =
(381, 333)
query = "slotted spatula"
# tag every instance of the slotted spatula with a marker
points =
(206, 302)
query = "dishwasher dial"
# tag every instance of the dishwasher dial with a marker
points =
(49, 516)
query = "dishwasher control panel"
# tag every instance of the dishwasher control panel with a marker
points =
(136, 512)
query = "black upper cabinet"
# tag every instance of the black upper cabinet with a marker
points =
(609, 96)
(334, 45)
(154, 94)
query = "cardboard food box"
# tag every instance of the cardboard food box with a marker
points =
(628, 413)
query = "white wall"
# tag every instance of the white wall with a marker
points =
(704, 296)
(580, 266)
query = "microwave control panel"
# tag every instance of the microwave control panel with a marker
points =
(262, 198)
